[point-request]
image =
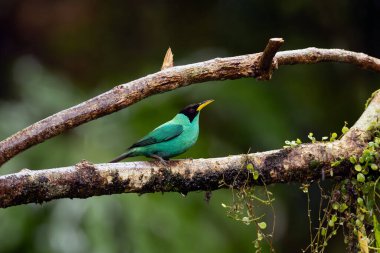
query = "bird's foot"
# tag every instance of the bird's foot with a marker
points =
(162, 160)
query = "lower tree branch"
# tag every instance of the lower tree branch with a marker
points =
(303, 163)
(166, 80)
(85, 179)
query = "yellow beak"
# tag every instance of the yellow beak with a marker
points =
(204, 104)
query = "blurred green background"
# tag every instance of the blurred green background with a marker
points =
(55, 54)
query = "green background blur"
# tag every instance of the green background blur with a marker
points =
(55, 54)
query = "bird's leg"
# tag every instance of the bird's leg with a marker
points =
(159, 158)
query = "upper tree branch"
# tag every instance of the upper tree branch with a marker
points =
(313, 55)
(166, 80)
(303, 163)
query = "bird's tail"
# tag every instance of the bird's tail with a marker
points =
(129, 153)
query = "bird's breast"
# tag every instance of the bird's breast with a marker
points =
(178, 145)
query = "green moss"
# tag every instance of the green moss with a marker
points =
(370, 99)
(314, 164)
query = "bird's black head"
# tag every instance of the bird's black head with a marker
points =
(191, 111)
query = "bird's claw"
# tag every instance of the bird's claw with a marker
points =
(161, 160)
(164, 162)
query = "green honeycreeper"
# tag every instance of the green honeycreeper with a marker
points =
(171, 138)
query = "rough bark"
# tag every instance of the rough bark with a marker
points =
(266, 63)
(304, 163)
(172, 78)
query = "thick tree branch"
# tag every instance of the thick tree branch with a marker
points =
(166, 80)
(303, 163)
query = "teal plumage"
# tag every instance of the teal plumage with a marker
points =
(171, 138)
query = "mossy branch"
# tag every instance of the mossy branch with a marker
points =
(124, 95)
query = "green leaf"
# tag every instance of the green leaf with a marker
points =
(333, 137)
(336, 163)
(360, 177)
(292, 144)
(358, 167)
(310, 136)
(376, 227)
(374, 166)
(360, 201)
(358, 223)
(259, 236)
(305, 188)
(262, 225)
(246, 220)
(342, 207)
(370, 203)
(255, 175)
(353, 160)
(345, 129)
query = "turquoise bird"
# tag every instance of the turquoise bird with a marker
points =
(171, 138)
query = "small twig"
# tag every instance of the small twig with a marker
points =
(310, 221)
(168, 60)
(266, 64)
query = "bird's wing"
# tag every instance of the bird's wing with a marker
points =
(163, 133)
